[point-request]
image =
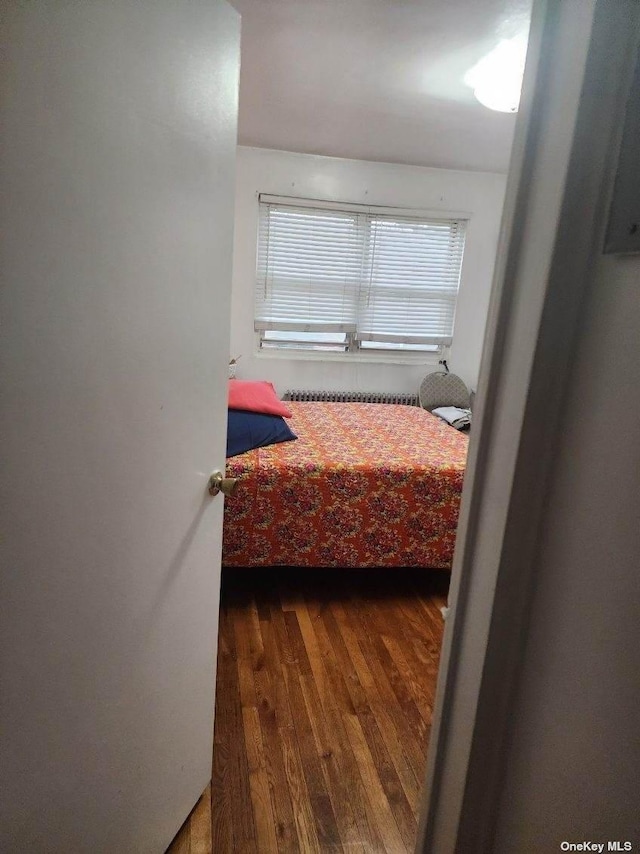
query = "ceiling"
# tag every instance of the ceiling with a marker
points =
(374, 79)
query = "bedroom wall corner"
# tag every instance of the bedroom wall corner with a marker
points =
(479, 194)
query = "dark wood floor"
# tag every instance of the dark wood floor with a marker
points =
(325, 692)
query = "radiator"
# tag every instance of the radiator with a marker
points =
(352, 397)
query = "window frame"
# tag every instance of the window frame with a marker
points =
(354, 349)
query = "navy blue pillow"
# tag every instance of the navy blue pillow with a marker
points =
(248, 430)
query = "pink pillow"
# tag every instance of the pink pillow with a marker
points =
(258, 396)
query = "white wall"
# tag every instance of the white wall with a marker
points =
(479, 194)
(573, 770)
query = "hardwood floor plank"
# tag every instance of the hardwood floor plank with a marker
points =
(337, 702)
(412, 714)
(314, 655)
(326, 827)
(250, 653)
(343, 660)
(334, 677)
(201, 842)
(378, 702)
(194, 837)
(270, 685)
(221, 826)
(380, 809)
(242, 820)
(349, 829)
(431, 606)
(429, 659)
(347, 787)
(182, 841)
(290, 596)
(221, 777)
(389, 779)
(426, 630)
(423, 698)
(244, 659)
(414, 639)
(259, 782)
(416, 662)
(417, 633)
(338, 762)
(332, 763)
(281, 799)
(385, 768)
(324, 698)
(394, 706)
(300, 659)
(302, 810)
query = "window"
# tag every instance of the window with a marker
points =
(344, 278)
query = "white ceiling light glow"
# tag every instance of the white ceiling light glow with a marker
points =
(496, 79)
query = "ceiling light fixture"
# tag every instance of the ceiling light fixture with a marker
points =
(496, 79)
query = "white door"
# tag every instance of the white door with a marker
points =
(117, 170)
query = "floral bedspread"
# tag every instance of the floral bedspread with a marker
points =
(363, 485)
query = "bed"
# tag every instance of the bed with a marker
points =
(364, 485)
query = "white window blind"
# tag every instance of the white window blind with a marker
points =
(342, 273)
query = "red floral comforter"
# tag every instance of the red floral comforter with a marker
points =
(363, 485)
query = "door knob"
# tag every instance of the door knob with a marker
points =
(218, 483)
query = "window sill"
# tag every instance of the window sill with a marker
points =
(389, 358)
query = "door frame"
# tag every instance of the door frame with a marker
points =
(579, 66)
